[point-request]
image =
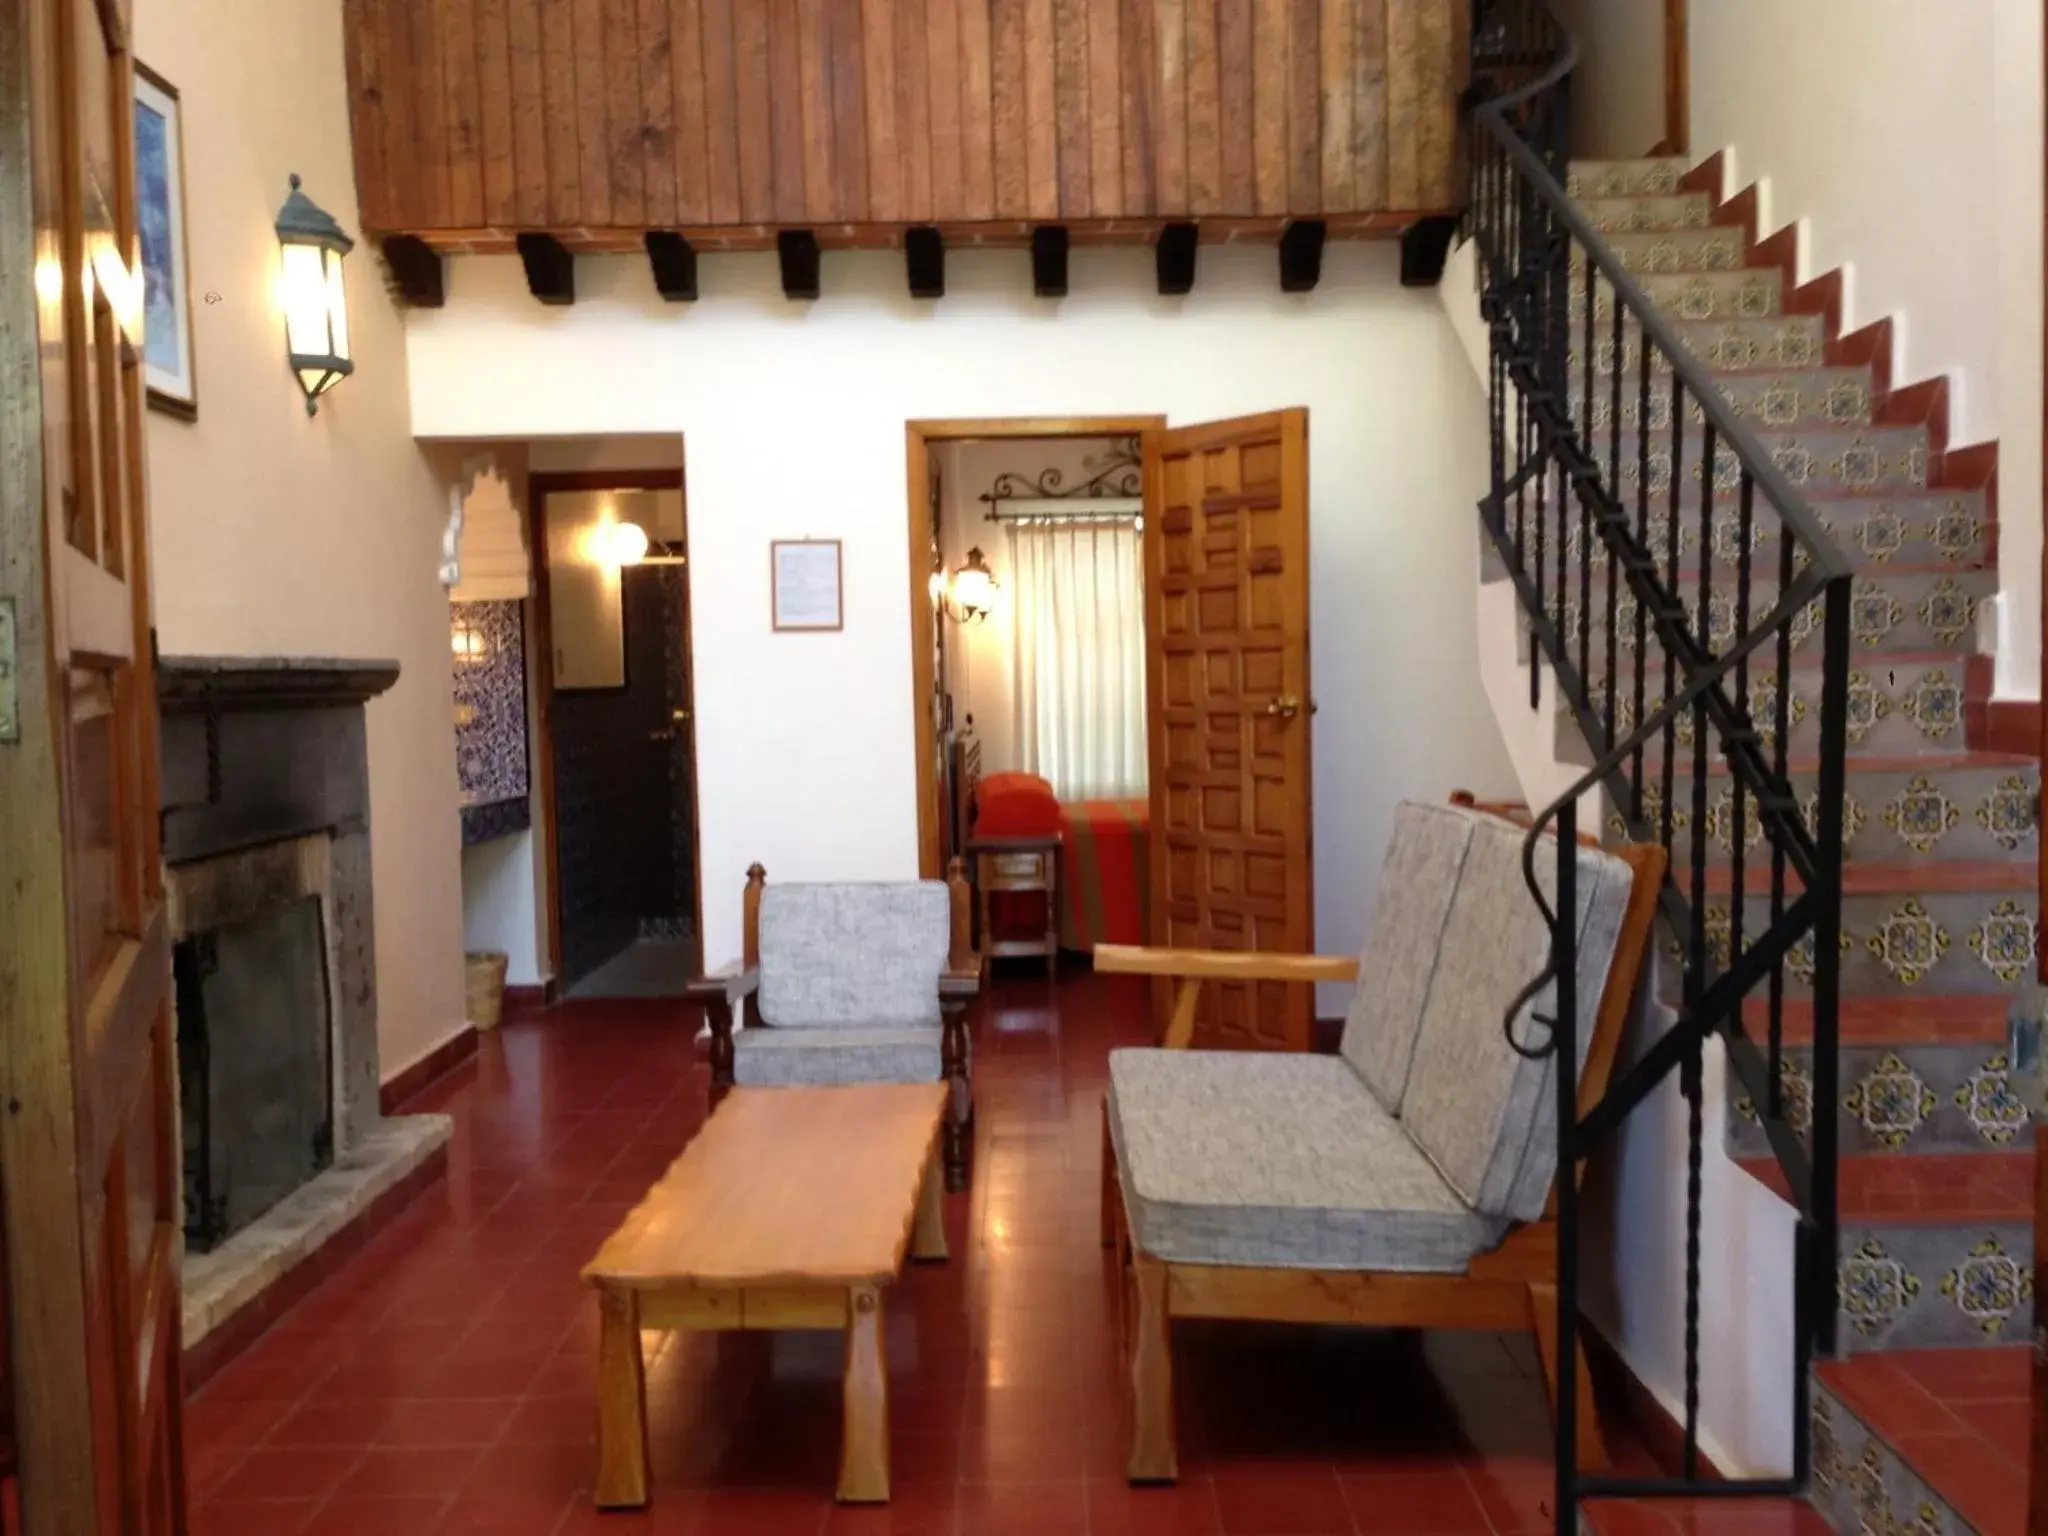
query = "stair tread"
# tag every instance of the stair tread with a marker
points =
(1965, 1019)
(1957, 1417)
(1921, 1188)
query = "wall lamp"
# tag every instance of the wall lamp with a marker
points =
(315, 299)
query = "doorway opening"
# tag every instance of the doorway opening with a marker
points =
(617, 750)
(1109, 622)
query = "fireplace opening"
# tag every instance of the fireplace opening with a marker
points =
(255, 1065)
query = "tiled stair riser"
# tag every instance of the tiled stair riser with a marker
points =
(1795, 398)
(1624, 215)
(1657, 177)
(1935, 944)
(1907, 1098)
(1862, 1486)
(1891, 610)
(1934, 1285)
(1656, 252)
(1724, 339)
(1932, 816)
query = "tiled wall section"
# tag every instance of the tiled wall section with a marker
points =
(490, 701)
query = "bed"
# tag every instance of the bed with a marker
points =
(1104, 872)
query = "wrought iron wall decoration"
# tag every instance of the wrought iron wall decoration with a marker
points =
(1118, 471)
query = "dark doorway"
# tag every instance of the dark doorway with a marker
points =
(619, 748)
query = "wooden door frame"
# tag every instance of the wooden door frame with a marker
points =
(918, 438)
(1677, 80)
(539, 487)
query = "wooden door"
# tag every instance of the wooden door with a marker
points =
(88, 1119)
(1227, 671)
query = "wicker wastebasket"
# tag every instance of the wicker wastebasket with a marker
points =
(486, 977)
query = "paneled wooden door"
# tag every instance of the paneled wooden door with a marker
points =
(88, 1118)
(1227, 669)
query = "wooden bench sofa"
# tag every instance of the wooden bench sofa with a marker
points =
(1405, 1182)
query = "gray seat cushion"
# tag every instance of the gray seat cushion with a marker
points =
(1402, 943)
(853, 954)
(1485, 1114)
(784, 1058)
(1278, 1161)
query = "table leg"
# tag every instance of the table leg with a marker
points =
(928, 1241)
(621, 1403)
(864, 1444)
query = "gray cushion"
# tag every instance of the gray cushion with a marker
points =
(782, 1058)
(1275, 1160)
(1485, 1114)
(1401, 944)
(853, 954)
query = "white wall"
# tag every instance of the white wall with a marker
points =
(500, 891)
(1906, 137)
(279, 534)
(1618, 91)
(793, 419)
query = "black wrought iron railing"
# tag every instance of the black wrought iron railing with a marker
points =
(1694, 614)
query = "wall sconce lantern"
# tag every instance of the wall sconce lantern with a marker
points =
(315, 300)
(625, 544)
(970, 593)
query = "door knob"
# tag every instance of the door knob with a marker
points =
(1287, 706)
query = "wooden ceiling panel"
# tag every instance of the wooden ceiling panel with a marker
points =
(474, 119)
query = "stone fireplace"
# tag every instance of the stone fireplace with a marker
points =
(267, 853)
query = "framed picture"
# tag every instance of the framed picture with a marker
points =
(807, 587)
(167, 357)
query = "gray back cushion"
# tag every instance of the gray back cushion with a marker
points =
(1485, 1114)
(867, 954)
(1402, 943)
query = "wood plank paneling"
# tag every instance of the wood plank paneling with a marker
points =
(756, 85)
(1234, 102)
(1271, 86)
(821, 190)
(942, 90)
(561, 114)
(497, 148)
(913, 110)
(658, 94)
(686, 44)
(885, 156)
(1009, 109)
(784, 87)
(1205, 110)
(1070, 80)
(977, 113)
(600, 118)
(1041, 105)
(849, 109)
(721, 111)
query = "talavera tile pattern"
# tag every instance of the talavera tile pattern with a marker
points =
(1862, 1485)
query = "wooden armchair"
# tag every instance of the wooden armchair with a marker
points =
(850, 983)
(1406, 1182)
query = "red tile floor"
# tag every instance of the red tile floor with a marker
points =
(441, 1380)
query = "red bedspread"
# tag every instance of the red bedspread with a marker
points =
(1104, 873)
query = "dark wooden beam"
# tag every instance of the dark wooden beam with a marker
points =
(1301, 255)
(416, 274)
(674, 264)
(924, 258)
(1049, 261)
(550, 269)
(1176, 255)
(798, 251)
(1425, 246)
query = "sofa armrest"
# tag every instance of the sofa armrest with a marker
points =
(1195, 966)
(1224, 964)
(729, 983)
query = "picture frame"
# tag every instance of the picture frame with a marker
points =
(808, 587)
(169, 362)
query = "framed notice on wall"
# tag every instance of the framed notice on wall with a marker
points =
(807, 591)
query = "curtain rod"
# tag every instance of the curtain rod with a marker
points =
(1101, 508)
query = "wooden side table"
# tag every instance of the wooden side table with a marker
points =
(1019, 864)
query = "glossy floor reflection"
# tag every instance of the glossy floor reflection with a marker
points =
(441, 1381)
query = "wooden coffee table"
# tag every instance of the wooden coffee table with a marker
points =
(791, 1209)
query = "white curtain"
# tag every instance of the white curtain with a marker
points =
(1079, 591)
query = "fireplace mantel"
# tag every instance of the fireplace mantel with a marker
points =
(216, 683)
